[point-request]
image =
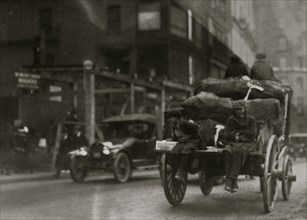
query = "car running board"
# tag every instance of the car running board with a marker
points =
(149, 167)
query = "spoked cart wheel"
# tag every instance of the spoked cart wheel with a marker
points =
(269, 179)
(260, 147)
(287, 177)
(206, 183)
(174, 189)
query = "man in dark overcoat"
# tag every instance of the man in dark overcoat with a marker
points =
(262, 69)
(236, 69)
(242, 132)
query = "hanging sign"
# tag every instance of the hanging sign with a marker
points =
(27, 80)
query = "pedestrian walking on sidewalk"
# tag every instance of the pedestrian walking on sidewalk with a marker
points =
(31, 149)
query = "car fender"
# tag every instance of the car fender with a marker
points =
(79, 152)
(115, 152)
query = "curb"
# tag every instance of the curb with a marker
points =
(25, 177)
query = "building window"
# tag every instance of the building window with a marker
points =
(283, 44)
(217, 71)
(179, 66)
(283, 62)
(300, 61)
(300, 105)
(45, 20)
(300, 82)
(197, 33)
(179, 22)
(195, 70)
(149, 16)
(114, 19)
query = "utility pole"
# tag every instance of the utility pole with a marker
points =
(89, 89)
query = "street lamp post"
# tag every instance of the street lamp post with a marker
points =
(89, 89)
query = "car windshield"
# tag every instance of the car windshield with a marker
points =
(140, 130)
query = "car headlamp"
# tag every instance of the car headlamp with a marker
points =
(83, 151)
(106, 150)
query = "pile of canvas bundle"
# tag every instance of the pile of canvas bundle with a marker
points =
(237, 89)
(207, 105)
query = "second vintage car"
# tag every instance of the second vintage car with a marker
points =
(129, 143)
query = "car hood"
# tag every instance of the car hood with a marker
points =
(119, 143)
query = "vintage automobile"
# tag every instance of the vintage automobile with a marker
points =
(298, 145)
(129, 143)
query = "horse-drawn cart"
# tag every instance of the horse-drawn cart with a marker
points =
(270, 163)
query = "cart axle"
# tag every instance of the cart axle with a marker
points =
(292, 178)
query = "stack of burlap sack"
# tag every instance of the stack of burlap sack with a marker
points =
(213, 99)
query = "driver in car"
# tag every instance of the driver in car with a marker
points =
(241, 138)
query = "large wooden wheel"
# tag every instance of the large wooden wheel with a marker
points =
(261, 179)
(269, 180)
(174, 189)
(260, 150)
(205, 183)
(287, 177)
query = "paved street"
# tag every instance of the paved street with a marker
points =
(100, 197)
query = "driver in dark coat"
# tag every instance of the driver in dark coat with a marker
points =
(241, 130)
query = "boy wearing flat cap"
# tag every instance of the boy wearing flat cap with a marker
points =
(241, 138)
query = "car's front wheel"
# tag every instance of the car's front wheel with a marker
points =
(77, 173)
(122, 167)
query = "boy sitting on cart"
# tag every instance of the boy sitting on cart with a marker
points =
(242, 132)
(183, 130)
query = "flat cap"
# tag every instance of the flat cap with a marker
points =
(238, 105)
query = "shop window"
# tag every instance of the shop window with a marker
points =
(118, 61)
(149, 16)
(149, 67)
(179, 22)
(217, 71)
(114, 19)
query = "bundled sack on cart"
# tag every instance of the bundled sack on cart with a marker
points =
(209, 106)
(237, 89)
(264, 109)
(212, 133)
